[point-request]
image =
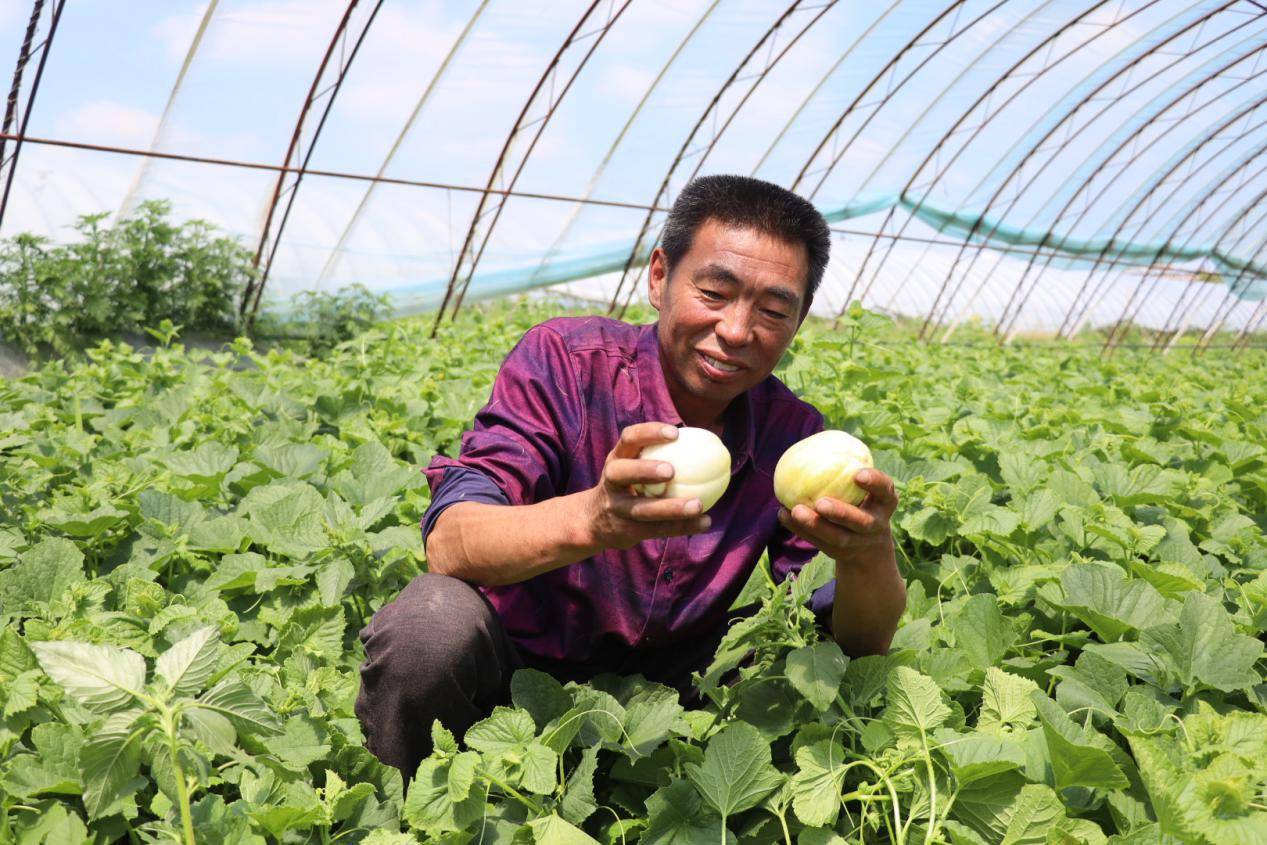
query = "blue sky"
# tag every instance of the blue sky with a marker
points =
(114, 65)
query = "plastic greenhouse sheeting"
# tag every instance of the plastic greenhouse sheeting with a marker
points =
(1044, 165)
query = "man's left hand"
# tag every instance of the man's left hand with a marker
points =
(851, 533)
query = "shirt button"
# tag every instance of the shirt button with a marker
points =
(668, 575)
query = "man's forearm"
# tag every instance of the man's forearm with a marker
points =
(492, 545)
(870, 598)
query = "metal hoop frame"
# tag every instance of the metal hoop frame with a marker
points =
(1066, 119)
(271, 234)
(1003, 329)
(985, 98)
(685, 150)
(9, 166)
(1137, 203)
(469, 257)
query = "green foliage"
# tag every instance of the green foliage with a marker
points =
(320, 320)
(191, 541)
(120, 278)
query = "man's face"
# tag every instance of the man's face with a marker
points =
(730, 311)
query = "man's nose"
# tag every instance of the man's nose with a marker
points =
(735, 326)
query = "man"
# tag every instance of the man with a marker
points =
(539, 553)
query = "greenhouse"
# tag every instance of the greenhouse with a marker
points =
(633, 421)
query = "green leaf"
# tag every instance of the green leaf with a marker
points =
(578, 802)
(817, 671)
(1093, 683)
(429, 807)
(52, 769)
(650, 717)
(235, 701)
(976, 756)
(111, 760)
(539, 772)
(540, 694)
(42, 574)
(736, 773)
(1076, 760)
(507, 729)
(1108, 603)
(211, 729)
(981, 630)
(915, 706)
(553, 830)
(1204, 647)
(677, 816)
(462, 770)
(286, 518)
(817, 783)
(189, 664)
(100, 677)
(1006, 707)
(302, 742)
(207, 462)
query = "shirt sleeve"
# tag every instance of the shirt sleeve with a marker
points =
(518, 448)
(788, 553)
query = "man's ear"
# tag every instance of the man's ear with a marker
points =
(657, 277)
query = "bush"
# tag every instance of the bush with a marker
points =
(120, 278)
(324, 320)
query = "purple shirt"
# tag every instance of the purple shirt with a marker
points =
(559, 403)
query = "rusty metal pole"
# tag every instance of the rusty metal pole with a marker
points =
(271, 233)
(9, 166)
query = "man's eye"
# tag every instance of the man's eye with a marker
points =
(712, 294)
(777, 315)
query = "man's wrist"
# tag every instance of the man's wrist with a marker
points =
(878, 559)
(585, 537)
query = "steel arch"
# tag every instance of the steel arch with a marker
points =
(1000, 329)
(1037, 146)
(1004, 327)
(1156, 185)
(912, 44)
(840, 153)
(1255, 321)
(9, 166)
(1231, 299)
(1211, 189)
(352, 223)
(143, 168)
(663, 190)
(823, 81)
(984, 98)
(460, 270)
(270, 235)
(549, 254)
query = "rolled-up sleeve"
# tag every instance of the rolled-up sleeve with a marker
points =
(516, 451)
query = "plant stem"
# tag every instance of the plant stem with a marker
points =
(182, 788)
(514, 793)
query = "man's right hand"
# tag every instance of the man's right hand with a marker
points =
(619, 518)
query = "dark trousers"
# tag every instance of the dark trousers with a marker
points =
(438, 651)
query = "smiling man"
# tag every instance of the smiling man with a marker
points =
(539, 553)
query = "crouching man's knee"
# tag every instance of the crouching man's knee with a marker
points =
(437, 651)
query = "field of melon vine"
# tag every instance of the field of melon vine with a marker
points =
(189, 543)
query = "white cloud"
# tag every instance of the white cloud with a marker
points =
(177, 32)
(627, 82)
(263, 33)
(110, 122)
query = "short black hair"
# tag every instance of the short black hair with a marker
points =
(744, 202)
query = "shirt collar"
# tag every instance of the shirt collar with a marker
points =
(740, 433)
